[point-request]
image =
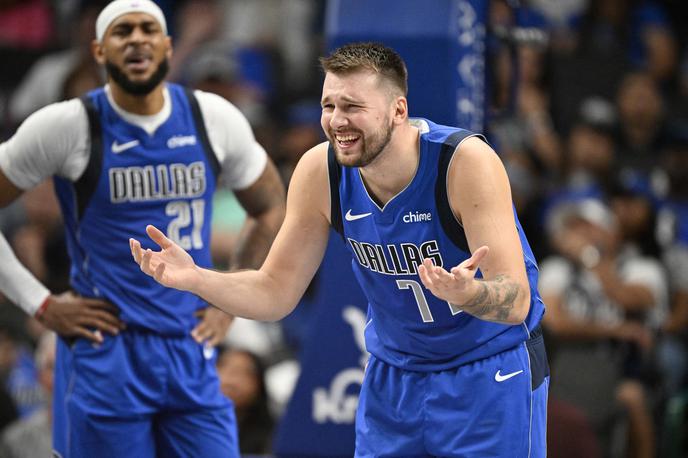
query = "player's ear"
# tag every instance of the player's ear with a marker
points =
(400, 110)
(98, 52)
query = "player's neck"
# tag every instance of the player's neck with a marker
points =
(148, 104)
(395, 167)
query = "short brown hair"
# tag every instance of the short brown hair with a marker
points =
(371, 56)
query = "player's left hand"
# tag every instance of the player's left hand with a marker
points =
(451, 286)
(213, 326)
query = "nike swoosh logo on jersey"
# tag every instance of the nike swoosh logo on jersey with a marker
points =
(118, 148)
(500, 378)
(350, 217)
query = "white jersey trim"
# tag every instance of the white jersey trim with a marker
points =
(54, 141)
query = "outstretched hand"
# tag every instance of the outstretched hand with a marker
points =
(171, 266)
(451, 285)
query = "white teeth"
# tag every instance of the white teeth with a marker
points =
(346, 138)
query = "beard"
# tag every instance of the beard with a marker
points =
(138, 87)
(372, 146)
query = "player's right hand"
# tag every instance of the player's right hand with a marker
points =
(171, 266)
(70, 315)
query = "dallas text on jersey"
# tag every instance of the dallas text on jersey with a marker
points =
(401, 259)
(153, 182)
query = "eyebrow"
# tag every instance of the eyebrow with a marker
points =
(344, 98)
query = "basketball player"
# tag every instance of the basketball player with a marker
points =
(137, 150)
(457, 364)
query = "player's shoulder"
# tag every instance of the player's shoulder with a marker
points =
(475, 168)
(474, 150)
(61, 113)
(209, 101)
(60, 118)
(313, 164)
(218, 111)
(316, 157)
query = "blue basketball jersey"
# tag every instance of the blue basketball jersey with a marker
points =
(408, 327)
(133, 179)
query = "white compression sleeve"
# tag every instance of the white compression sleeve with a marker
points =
(17, 283)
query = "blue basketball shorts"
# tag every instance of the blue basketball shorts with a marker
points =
(494, 407)
(140, 394)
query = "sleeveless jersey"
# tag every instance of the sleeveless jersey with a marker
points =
(134, 179)
(408, 327)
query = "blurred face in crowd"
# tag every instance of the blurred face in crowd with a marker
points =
(239, 378)
(357, 112)
(578, 233)
(590, 149)
(135, 53)
(633, 214)
(639, 101)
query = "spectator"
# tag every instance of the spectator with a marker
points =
(638, 30)
(26, 24)
(589, 154)
(32, 437)
(673, 234)
(589, 288)
(17, 369)
(641, 123)
(242, 379)
(50, 76)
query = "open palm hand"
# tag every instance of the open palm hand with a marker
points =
(171, 266)
(451, 285)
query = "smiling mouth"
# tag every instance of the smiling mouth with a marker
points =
(346, 140)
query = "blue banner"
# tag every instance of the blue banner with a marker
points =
(320, 415)
(443, 43)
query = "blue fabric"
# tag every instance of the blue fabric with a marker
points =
(679, 214)
(141, 394)
(464, 412)
(319, 419)
(150, 390)
(160, 180)
(408, 327)
(22, 384)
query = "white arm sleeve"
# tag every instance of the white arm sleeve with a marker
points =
(52, 141)
(241, 157)
(17, 283)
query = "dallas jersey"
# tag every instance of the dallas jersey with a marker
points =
(116, 172)
(128, 175)
(409, 327)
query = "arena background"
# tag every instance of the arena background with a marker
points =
(585, 101)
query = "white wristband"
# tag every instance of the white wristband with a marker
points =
(17, 283)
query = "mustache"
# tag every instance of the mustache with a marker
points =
(134, 87)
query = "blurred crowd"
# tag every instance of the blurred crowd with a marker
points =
(589, 112)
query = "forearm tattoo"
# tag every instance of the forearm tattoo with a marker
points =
(495, 299)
